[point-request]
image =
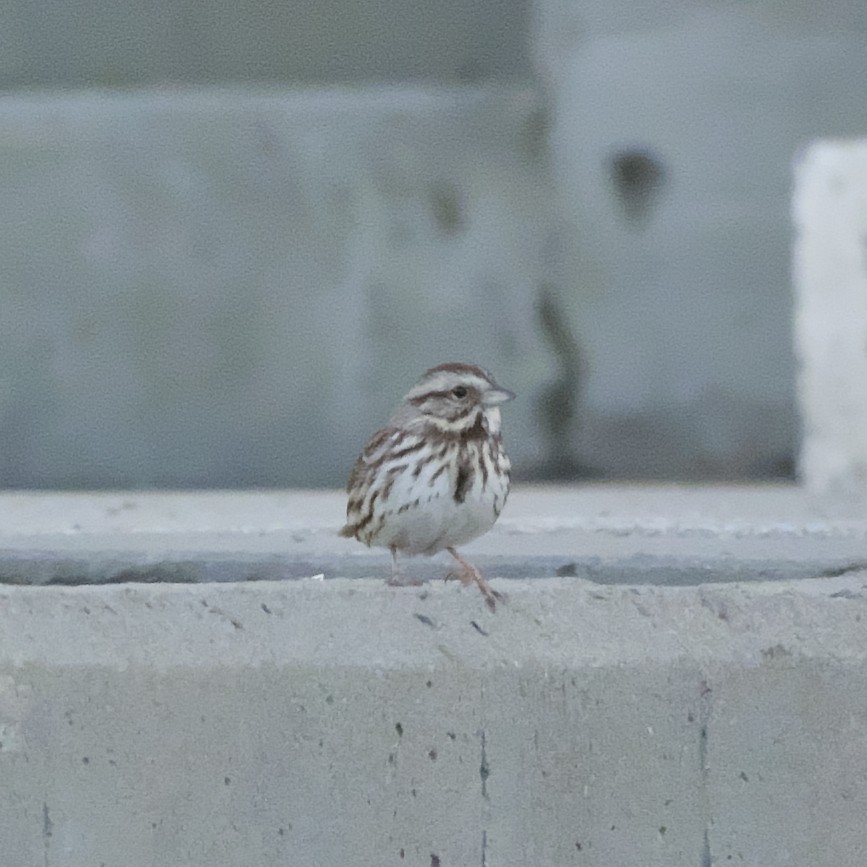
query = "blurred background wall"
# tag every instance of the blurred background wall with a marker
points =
(233, 234)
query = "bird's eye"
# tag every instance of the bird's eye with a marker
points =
(459, 392)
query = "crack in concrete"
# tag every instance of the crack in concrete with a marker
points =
(839, 571)
(484, 768)
(47, 833)
(704, 710)
(212, 609)
(484, 773)
(705, 852)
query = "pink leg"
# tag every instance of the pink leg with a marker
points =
(468, 574)
(397, 579)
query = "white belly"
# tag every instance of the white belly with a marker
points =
(421, 516)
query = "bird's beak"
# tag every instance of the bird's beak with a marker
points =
(495, 396)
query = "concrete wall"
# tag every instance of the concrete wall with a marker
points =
(341, 721)
(231, 287)
(88, 43)
(674, 125)
(234, 288)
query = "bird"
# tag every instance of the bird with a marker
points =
(436, 476)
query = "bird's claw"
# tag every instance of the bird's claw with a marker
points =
(467, 577)
(492, 597)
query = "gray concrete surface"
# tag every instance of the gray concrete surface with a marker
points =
(333, 720)
(167, 43)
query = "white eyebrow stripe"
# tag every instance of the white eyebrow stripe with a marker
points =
(448, 381)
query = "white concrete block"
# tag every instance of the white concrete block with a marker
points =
(830, 274)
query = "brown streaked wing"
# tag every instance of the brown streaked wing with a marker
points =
(362, 464)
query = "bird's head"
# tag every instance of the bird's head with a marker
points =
(455, 398)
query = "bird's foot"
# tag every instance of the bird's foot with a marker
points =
(397, 577)
(468, 574)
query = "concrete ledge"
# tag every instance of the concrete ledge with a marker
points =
(606, 533)
(341, 721)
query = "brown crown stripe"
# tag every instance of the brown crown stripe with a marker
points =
(457, 367)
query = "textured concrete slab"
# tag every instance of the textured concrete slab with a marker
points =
(346, 722)
(336, 720)
(786, 759)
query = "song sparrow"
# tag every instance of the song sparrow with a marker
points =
(436, 476)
